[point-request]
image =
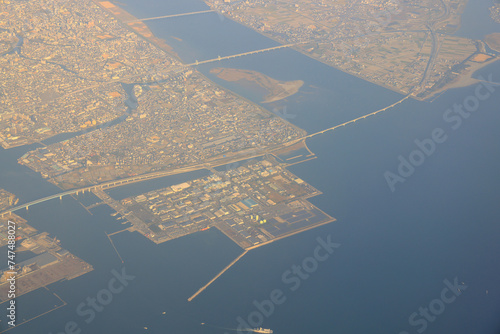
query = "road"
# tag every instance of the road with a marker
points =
(235, 157)
(168, 16)
(243, 54)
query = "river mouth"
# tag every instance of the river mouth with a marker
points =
(441, 223)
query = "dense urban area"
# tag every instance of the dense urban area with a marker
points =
(73, 67)
(102, 101)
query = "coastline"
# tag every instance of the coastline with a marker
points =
(136, 26)
(141, 29)
(464, 80)
(320, 60)
(169, 50)
(276, 89)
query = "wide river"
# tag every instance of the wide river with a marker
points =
(397, 248)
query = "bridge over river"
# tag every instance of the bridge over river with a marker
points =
(243, 54)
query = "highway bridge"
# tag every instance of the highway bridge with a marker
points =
(243, 54)
(144, 177)
(207, 165)
(107, 185)
(356, 119)
(168, 16)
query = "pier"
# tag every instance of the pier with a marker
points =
(218, 275)
(114, 247)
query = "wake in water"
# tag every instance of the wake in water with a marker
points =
(229, 329)
(255, 330)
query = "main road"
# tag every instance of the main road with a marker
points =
(239, 156)
(244, 54)
(357, 119)
(106, 185)
(168, 16)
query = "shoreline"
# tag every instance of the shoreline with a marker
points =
(317, 59)
(172, 53)
(276, 89)
(119, 14)
(493, 41)
(463, 80)
(136, 26)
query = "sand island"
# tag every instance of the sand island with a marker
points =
(275, 89)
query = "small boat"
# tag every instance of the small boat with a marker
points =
(262, 330)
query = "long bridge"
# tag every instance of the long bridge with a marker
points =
(154, 175)
(219, 162)
(356, 119)
(243, 54)
(139, 178)
(168, 16)
(107, 185)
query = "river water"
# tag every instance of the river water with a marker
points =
(396, 249)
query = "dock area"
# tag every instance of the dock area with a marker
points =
(50, 262)
(253, 203)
